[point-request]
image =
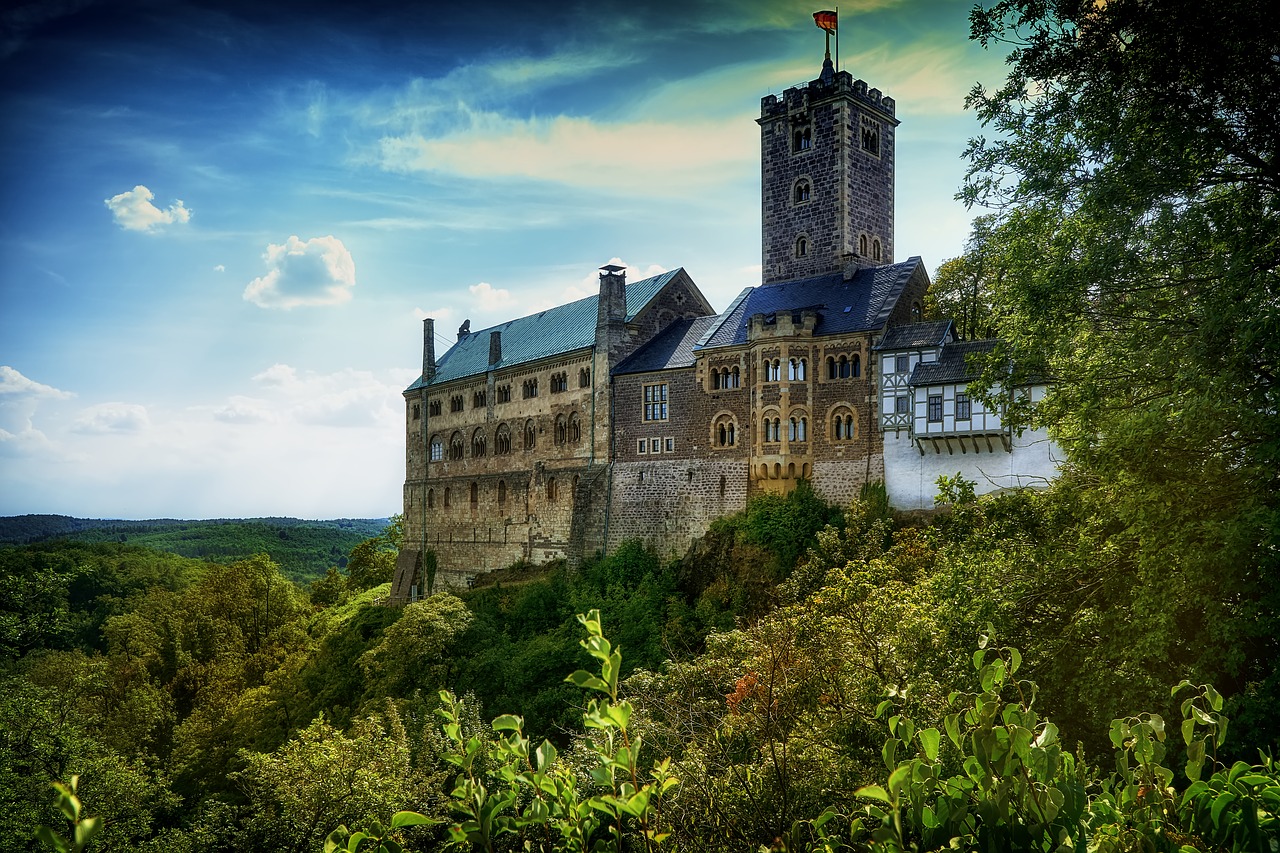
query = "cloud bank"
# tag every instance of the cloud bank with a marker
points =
(319, 271)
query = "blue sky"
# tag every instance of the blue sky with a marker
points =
(222, 224)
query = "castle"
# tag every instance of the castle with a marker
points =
(642, 412)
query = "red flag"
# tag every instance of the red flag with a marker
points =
(825, 20)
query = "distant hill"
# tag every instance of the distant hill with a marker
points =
(303, 549)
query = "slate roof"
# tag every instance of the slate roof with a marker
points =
(672, 347)
(552, 332)
(953, 365)
(915, 336)
(860, 304)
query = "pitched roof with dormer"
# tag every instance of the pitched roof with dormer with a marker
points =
(863, 303)
(953, 365)
(548, 333)
(672, 347)
(916, 336)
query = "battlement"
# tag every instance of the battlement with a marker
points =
(801, 96)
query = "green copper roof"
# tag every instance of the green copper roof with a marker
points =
(548, 333)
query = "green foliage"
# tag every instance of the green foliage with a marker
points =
(537, 796)
(322, 777)
(83, 829)
(1017, 789)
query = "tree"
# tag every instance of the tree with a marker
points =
(414, 652)
(962, 288)
(371, 564)
(1135, 180)
(322, 778)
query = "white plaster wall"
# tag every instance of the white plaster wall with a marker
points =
(911, 478)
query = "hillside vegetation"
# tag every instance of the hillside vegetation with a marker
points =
(304, 550)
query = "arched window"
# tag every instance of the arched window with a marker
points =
(575, 428)
(802, 191)
(831, 367)
(917, 313)
(584, 378)
(722, 485)
(802, 246)
(433, 408)
(502, 441)
(862, 245)
(478, 443)
(502, 491)
(796, 369)
(431, 498)
(457, 448)
(446, 496)
(475, 495)
(802, 139)
(437, 448)
(875, 250)
(562, 430)
(843, 425)
(724, 431)
(856, 366)
(737, 378)
(530, 435)
(798, 428)
(551, 489)
(845, 369)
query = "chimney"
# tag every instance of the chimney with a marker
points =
(611, 313)
(495, 347)
(428, 349)
(851, 263)
(613, 294)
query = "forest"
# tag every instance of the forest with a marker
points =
(1090, 666)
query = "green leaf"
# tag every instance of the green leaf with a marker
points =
(1215, 698)
(400, 819)
(1223, 800)
(929, 740)
(546, 755)
(872, 792)
(87, 829)
(508, 723)
(587, 681)
(899, 777)
(952, 725)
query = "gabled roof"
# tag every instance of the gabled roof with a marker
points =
(916, 336)
(953, 365)
(861, 304)
(672, 347)
(548, 333)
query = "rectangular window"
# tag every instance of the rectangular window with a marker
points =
(901, 364)
(671, 445)
(655, 403)
(902, 406)
(935, 408)
(654, 444)
(963, 412)
(643, 446)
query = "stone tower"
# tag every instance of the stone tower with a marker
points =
(826, 158)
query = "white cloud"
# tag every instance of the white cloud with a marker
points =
(14, 384)
(441, 314)
(244, 410)
(490, 298)
(277, 374)
(20, 397)
(134, 211)
(643, 158)
(319, 271)
(220, 268)
(112, 419)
